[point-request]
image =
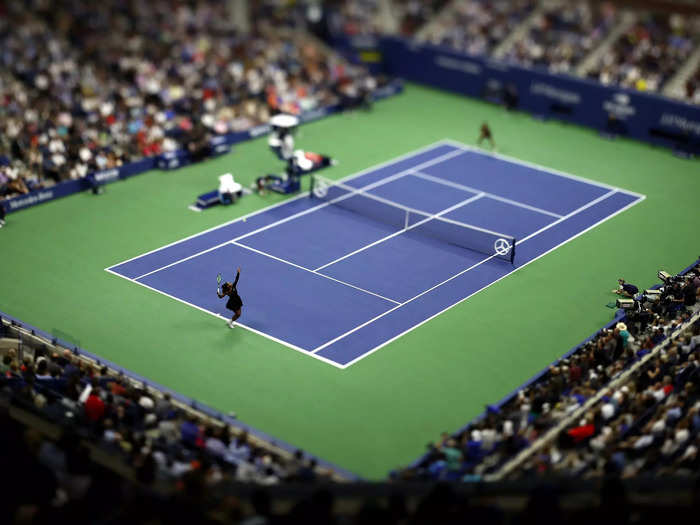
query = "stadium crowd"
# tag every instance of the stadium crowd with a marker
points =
(412, 15)
(355, 17)
(54, 481)
(160, 439)
(650, 52)
(89, 87)
(484, 446)
(649, 425)
(476, 27)
(86, 87)
(563, 35)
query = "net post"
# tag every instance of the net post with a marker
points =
(405, 220)
(312, 183)
(512, 252)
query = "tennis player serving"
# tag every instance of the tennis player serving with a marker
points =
(234, 302)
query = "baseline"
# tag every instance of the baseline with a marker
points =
(534, 165)
(219, 316)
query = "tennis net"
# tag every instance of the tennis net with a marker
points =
(401, 217)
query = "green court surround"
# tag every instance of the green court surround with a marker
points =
(381, 412)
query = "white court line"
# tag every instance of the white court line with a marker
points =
(585, 206)
(383, 344)
(380, 182)
(489, 195)
(368, 187)
(219, 316)
(540, 167)
(448, 210)
(568, 216)
(462, 147)
(312, 271)
(178, 261)
(434, 145)
(342, 336)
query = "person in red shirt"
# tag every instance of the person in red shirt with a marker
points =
(94, 406)
(581, 432)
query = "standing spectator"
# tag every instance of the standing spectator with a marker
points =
(623, 333)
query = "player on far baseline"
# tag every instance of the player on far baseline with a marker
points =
(485, 134)
(234, 302)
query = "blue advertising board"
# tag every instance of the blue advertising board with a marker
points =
(37, 197)
(616, 111)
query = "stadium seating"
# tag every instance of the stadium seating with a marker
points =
(134, 422)
(476, 27)
(357, 17)
(595, 373)
(67, 112)
(562, 36)
(647, 55)
(73, 103)
(647, 424)
(60, 478)
(631, 47)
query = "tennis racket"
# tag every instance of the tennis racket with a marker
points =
(218, 283)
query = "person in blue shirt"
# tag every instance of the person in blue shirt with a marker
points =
(626, 288)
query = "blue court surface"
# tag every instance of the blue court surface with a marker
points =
(338, 285)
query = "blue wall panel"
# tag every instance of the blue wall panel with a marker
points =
(638, 115)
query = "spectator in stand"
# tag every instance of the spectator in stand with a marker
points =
(94, 406)
(191, 433)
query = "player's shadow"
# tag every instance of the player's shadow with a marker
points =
(225, 335)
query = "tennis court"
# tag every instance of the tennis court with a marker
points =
(340, 274)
